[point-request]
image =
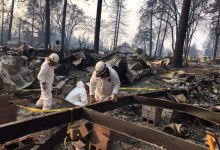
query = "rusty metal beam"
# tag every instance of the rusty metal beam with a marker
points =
(21, 128)
(51, 141)
(141, 133)
(161, 93)
(186, 108)
(110, 105)
(28, 126)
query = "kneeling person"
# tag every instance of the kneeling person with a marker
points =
(104, 83)
(78, 96)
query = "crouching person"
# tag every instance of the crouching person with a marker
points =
(79, 95)
(104, 83)
(46, 78)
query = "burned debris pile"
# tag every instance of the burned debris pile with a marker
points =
(155, 102)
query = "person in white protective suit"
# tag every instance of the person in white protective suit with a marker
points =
(104, 83)
(78, 96)
(46, 78)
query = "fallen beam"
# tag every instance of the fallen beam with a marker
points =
(39, 123)
(51, 141)
(141, 133)
(185, 108)
(110, 105)
(162, 93)
(21, 128)
(23, 143)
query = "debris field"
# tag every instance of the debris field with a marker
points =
(159, 107)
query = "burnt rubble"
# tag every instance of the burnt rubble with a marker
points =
(156, 102)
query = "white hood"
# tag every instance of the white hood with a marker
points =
(80, 84)
(78, 95)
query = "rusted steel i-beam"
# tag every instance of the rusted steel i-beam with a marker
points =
(21, 128)
(162, 93)
(28, 126)
(186, 108)
(110, 105)
(54, 139)
(139, 132)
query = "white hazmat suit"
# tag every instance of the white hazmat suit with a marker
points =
(103, 88)
(46, 75)
(78, 95)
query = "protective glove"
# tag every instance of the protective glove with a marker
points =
(212, 140)
(113, 97)
(92, 99)
(44, 86)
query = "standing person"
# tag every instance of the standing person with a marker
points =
(104, 83)
(46, 78)
(78, 96)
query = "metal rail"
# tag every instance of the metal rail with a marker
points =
(141, 133)
(186, 108)
(95, 114)
(51, 141)
(21, 128)
(110, 105)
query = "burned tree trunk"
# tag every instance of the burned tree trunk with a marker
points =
(2, 33)
(119, 20)
(178, 53)
(151, 30)
(19, 31)
(32, 26)
(11, 19)
(97, 26)
(164, 35)
(158, 36)
(116, 23)
(47, 29)
(63, 26)
(217, 34)
(189, 36)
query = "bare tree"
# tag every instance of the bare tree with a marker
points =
(47, 28)
(3, 11)
(89, 28)
(178, 53)
(75, 18)
(34, 21)
(170, 8)
(11, 19)
(97, 26)
(164, 35)
(197, 13)
(215, 28)
(151, 5)
(143, 36)
(216, 37)
(63, 25)
(158, 36)
(117, 21)
(19, 29)
(148, 11)
(82, 40)
(208, 46)
(40, 14)
(32, 25)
